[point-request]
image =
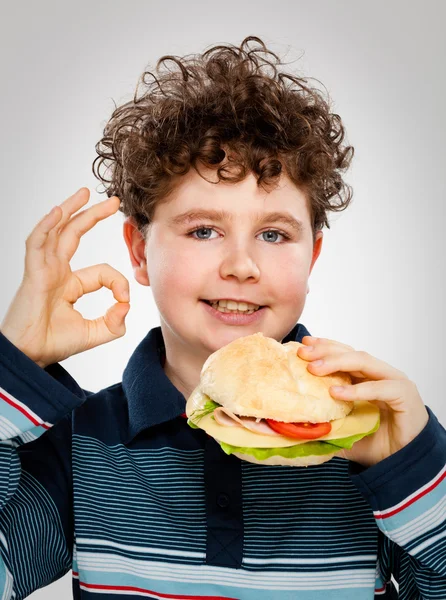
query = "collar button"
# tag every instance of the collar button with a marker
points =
(223, 500)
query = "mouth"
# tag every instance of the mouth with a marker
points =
(209, 303)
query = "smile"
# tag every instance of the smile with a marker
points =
(232, 317)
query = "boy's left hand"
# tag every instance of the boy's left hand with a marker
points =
(403, 413)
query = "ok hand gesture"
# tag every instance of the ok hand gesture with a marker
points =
(41, 320)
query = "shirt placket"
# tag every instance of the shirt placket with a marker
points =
(224, 507)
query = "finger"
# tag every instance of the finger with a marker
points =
(78, 225)
(35, 242)
(66, 208)
(109, 327)
(320, 349)
(309, 340)
(314, 341)
(91, 279)
(393, 392)
(318, 352)
(358, 363)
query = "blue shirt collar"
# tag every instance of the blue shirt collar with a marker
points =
(152, 398)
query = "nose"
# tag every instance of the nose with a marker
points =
(240, 264)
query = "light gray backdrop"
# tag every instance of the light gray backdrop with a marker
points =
(379, 282)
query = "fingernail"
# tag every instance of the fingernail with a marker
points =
(317, 363)
(337, 388)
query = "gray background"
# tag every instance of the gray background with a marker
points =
(379, 282)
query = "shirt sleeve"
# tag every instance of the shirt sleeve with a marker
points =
(407, 493)
(36, 506)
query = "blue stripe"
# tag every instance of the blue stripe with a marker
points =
(170, 505)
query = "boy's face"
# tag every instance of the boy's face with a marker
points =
(231, 258)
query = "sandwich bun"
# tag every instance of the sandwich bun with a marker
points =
(258, 376)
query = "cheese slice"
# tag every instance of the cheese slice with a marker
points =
(362, 419)
(335, 425)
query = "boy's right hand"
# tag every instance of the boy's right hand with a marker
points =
(41, 320)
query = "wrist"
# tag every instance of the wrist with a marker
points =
(9, 335)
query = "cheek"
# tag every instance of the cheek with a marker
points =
(289, 274)
(292, 289)
(184, 271)
(176, 271)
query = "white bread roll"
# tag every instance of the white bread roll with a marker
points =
(258, 376)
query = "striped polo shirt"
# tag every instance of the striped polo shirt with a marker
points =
(116, 487)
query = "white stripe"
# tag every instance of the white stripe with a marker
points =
(29, 437)
(9, 584)
(151, 520)
(308, 561)
(427, 543)
(154, 455)
(145, 550)
(416, 493)
(8, 429)
(214, 575)
(18, 403)
(426, 521)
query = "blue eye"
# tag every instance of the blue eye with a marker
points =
(273, 231)
(208, 228)
(200, 229)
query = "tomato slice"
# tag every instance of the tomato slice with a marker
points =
(302, 431)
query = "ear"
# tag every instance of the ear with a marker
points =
(317, 247)
(136, 244)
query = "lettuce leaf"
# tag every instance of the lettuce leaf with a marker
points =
(307, 449)
(208, 408)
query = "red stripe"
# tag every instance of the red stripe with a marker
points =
(128, 588)
(412, 500)
(22, 410)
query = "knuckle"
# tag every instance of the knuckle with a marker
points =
(79, 229)
(352, 391)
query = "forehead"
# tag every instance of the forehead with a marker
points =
(193, 191)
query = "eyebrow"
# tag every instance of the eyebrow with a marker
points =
(196, 214)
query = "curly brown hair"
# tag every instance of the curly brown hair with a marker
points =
(233, 111)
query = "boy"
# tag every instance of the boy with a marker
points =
(115, 485)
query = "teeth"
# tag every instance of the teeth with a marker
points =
(231, 306)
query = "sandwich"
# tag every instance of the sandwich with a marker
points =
(257, 399)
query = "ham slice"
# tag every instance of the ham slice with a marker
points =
(225, 417)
